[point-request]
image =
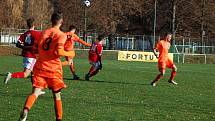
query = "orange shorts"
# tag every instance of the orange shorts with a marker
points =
(55, 84)
(166, 64)
(70, 57)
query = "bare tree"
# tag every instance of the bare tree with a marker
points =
(41, 11)
(11, 13)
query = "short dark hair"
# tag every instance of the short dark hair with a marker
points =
(30, 22)
(56, 16)
(168, 33)
(71, 27)
(100, 37)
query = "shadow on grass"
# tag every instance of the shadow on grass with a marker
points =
(106, 81)
(3, 74)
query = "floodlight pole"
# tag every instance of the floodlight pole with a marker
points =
(85, 20)
(173, 24)
(155, 17)
(202, 25)
(85, 24)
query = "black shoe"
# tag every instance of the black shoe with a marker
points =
(76, 77)
(87, 77)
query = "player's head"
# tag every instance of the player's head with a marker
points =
(101, 37)
(57, 19)
(30, 22)
(168, 36)
(72, 28)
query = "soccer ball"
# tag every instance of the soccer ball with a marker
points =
(87, 3)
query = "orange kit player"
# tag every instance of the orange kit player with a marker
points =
(48, 68)
(69, 46)
(95, 54)
(26, 42)
(164, 60)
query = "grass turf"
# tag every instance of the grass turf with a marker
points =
(120, 92)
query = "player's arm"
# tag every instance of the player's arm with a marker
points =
(156, 49)
(76, 38)
(155, 52)
(21, 45)
(62, 52)
(20, 42)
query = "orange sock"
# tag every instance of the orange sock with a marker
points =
(18, 75)
(173, 74)
(30, 101)
(58, 109)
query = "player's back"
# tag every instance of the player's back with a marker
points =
(69, 44)
(28, 39)
(48, 61)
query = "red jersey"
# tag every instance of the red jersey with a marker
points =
(71, 38)
(27, 40)
(48, 64)
(163, 48)
(95, 52)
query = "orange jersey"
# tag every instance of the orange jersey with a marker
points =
(163, 48)
(48, 63)
(71, 38)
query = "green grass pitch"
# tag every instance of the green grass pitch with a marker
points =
(120, 92)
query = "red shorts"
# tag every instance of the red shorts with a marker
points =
(55, 84)
(165, 64)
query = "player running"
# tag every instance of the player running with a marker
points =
(26, 42)
(48, 68)
(164, 60)
(69, 46)
(95, 54)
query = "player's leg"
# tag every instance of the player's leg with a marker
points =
(56, 84)
(161, 67)
(30, 102)
(66, 62)
(95, 68)
(173, 74)
(87, 76)
(28, 64)
(58, 105)
(158, 77)
(39, 83)
(72, 69)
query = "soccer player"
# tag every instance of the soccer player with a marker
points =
(48, 68)
(95, 54)
(26, 42)
(69, 46)
(163, 59)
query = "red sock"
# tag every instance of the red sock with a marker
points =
(173, 74)
(18, 75)
(94, 73)
(30, 101)
(91, 69)
(159, 76)
(58, 110)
